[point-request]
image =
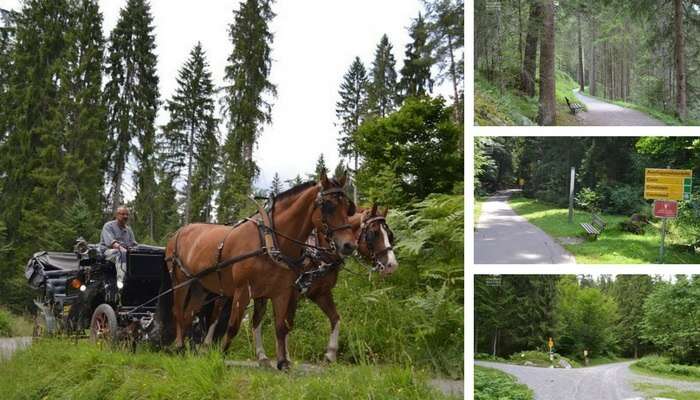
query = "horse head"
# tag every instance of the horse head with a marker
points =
(331, 213)
(376, 241)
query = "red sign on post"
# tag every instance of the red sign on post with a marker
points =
(665, 209)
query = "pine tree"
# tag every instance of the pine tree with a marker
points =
(294, 182)
(415, 74)
(247, 106)
(132, 102)
(7, 29)
(446, 27)
(276, 185)
(351, 107)
(382, 91)
(320, 166)
(192, 122)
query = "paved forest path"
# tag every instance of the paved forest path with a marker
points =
(604, 382)
(504, 237)
(600, 113)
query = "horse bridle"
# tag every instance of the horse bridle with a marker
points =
(368, 237)
(326, 208)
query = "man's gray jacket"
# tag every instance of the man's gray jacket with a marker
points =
(112, 232)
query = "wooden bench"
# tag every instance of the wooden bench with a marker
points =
(596, 227)
(573, 107)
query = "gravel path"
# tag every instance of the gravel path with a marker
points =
(504, 237)
(604, 382)
(10, 345)
(600, 113)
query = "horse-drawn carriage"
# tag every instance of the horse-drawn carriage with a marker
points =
(79, 290)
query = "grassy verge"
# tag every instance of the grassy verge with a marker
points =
(614, 246)
(490, 384)
(540, 359)
(478, 203)
(14, 325)
(88, 372)
(507, 106)
(662, 366)
(668, 119)
(666, 392)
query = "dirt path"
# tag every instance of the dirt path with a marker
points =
(600, 113)
(504, 237)
(604, 382)
(10, 345)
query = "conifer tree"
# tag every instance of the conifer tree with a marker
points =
(276, 185)
(320, 166)
(192, 122)
(446, 31)
(415, 74)
(351, 107)
(297, 180)
(247, 103)
(382, 91)
(132, 102)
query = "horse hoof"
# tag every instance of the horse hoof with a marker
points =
(330, 358)
(283, 365)
(265, 362)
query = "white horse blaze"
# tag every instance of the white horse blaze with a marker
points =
(390, 257)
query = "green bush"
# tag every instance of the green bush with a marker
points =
(490, 384)
(588, 199)
(664, 366)
(625, 199)
(539, 358)
(5, 323)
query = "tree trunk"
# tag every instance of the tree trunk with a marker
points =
(593, 86)
(529, 66)
(188, 199)
(548, 110)
(679, 48)
(581, 80)
(116, 195)
(495, 342)
(453, 72)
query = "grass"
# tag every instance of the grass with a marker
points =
(478, 203)
(662, 366)
(490, 384)
(613, 246)
(494, 105)
(666, 392)
(60, 369)
(666, 118)
(15, 325)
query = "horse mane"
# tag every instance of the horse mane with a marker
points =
(291, 192)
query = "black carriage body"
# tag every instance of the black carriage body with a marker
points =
(53, 274)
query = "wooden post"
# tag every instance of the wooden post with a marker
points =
(571, 194)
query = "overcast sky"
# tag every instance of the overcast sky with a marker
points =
(314, 44)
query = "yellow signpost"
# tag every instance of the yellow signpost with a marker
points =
(550, 343)
(667, 184)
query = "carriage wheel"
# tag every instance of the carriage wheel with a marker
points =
(103, 326)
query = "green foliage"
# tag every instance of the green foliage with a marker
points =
(417, 144)
(491, 384)
(588, 199)
(586, 319)
(351, 109)
(663, 325)
(5, 324)
(665, 367)
(98, 373)
(415, 74)
(629, 292)
(247, 103)
(382, 92)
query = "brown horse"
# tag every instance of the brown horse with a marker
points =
(374, 240)
(250, 269)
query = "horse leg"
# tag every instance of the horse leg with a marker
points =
(327, 305)
(215, 316)
(284, 307)
(258, 313)
(179, 314)
(240, 301)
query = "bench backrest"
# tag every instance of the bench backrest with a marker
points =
(567, 102)
(598, 222)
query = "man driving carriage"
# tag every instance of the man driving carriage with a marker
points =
(115, 239)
